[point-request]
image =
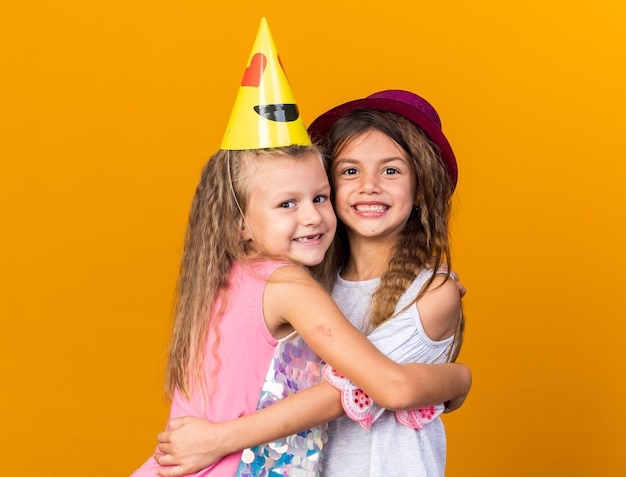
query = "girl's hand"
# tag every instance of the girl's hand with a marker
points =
(188, 445)
(454, 404)
(455, 276)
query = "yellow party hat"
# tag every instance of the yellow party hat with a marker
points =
(265, 113)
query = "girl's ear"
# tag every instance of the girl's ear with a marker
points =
(417, 200)
(246, 236)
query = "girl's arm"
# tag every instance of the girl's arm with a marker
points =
(190, 443)
(312, 312)
(440, 308)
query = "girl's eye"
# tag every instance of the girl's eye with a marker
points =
(391, 170)
(349, 171)
(288, 204)
(320, 198)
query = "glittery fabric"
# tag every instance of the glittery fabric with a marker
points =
(294, 367)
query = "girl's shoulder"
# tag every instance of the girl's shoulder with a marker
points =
(292, 295)
(289, 274)
(266, 266)
(279, 275)
(421, 284)
(292, 287)
(440, 308)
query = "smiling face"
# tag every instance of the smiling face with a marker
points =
(375, 186)
(288, 212)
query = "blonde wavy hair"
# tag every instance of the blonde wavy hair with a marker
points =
(424, 242)
(213, 243)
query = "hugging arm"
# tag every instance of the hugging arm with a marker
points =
(318, 320)
(191, 443)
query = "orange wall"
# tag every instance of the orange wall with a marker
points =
(109, 109)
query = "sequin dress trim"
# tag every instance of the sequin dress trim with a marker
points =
(294, 367)
(361, 408)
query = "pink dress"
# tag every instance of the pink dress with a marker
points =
(255, 370)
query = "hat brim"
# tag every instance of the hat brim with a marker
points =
(320, 127)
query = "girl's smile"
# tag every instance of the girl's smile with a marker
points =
(370, 209)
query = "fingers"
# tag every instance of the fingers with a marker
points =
(168, 468)
(169, 446)
(175, 471)
(163, 437)
(162, 448)
(454, 404)
(462, 289)
(172, 425)
(177, 423)
(455, 277)
(163, 458)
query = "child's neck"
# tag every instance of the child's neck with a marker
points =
(366, 261)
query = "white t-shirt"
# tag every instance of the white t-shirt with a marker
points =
(388, 448)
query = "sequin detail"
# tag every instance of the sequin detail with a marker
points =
(358, 405)
(295, 367)
(361, 408)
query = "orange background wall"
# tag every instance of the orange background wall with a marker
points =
(109, 109)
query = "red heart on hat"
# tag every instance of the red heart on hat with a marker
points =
(252, 76)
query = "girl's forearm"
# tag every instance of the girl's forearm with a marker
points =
(296, 413)
(427, 385)
(430, 385)
(191, 443)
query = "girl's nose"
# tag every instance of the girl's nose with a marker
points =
(310, 215)
(370, 183)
